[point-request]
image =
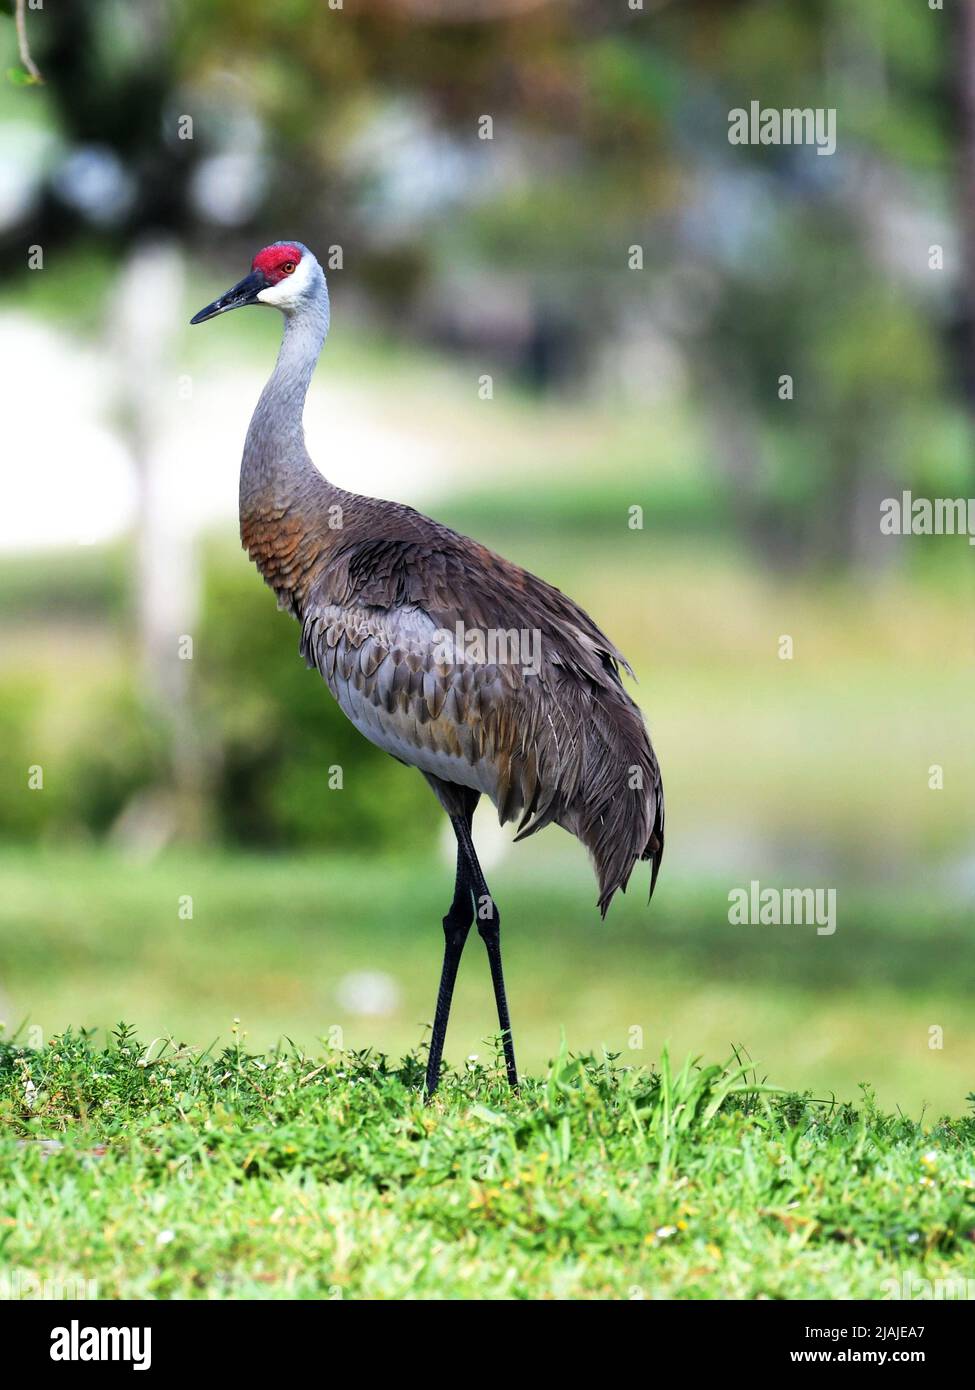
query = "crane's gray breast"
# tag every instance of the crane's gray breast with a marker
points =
(400, 681)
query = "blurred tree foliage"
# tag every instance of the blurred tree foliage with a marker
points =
(358, 127)
(90, 765)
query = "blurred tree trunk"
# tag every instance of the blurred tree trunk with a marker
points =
(965, 77)
(166, 579)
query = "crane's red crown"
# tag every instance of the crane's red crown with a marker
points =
(277, 262)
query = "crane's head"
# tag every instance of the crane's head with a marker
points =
(285, 275)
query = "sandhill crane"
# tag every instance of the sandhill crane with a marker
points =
(452, 659)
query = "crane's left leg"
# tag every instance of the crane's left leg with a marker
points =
(456, 925)
(489, 930)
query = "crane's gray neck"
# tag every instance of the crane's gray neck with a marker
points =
(276, 462)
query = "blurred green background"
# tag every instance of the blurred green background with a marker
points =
(185, 862)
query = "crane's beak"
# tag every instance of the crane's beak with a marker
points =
(244, 292)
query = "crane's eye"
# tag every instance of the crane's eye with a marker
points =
(289, 267)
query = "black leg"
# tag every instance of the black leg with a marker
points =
(489, 930)
(456, 925)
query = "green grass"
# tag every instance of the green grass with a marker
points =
(88, 937)
(156, 1171)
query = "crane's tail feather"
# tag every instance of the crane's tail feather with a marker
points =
(595, 774)
(621, 818)
(655, 845)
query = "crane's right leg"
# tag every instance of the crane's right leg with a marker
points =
(489, 929)
(456, 926)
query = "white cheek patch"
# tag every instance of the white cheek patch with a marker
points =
(289, 289)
